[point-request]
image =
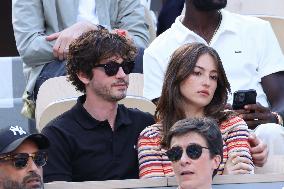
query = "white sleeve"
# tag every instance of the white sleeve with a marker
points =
(272, 59)
(153, 76)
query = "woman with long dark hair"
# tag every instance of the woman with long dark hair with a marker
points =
(195, 85)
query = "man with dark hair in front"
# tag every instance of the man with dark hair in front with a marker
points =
(22, 156)
(96, 139)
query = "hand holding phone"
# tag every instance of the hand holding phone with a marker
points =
(243, 97)
(254, 114)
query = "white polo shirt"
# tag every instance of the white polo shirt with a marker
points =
(247, 47)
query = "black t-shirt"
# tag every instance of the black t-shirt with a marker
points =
(85, 149)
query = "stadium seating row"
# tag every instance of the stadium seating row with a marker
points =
(219, 182)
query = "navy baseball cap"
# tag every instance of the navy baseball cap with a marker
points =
(13, 136)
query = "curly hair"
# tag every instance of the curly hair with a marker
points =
(170, 106)
(90, 48)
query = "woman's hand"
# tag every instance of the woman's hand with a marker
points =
(236, 164)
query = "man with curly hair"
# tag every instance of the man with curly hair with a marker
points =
(44, 29)
(96, 139)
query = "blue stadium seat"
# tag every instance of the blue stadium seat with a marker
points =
(12, 115)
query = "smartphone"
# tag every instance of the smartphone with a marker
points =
(243, 97)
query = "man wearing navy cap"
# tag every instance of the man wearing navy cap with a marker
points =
(22, 156)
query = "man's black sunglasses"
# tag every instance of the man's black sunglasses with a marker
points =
(193, 151)
(112, 67)
(20, 160)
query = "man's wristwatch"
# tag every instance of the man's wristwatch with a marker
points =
(278, 117)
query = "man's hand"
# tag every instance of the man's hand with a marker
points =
(256, 114)
(66, 36)
(258, 150)
(123, 33)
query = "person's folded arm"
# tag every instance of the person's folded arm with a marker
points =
(271, 71)
(29, 30)
(271, 75)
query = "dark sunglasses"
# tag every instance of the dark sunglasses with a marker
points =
(112, 67)
(193, 151)
(20, 160)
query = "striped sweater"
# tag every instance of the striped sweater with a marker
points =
(153, 162)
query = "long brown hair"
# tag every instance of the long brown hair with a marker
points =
(170, 106)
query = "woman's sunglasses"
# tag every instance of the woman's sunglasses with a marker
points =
(20, 160)
(193, 151)
(112, 67)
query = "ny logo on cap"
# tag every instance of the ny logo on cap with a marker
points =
(17, 129)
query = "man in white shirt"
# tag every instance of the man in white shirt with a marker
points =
(44, 29)
(250, 54)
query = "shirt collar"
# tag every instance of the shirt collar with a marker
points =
(228, 22)
(86, 121)
(184, 34)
